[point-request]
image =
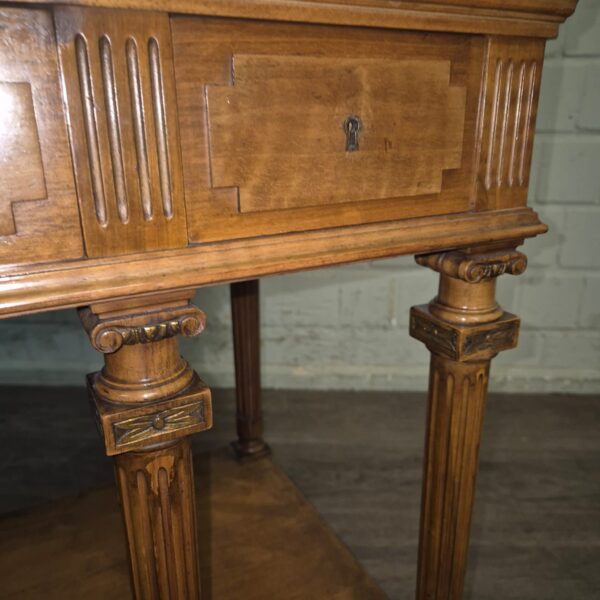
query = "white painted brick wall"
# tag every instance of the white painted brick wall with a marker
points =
(347, 327)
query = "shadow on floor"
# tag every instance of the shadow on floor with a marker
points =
(357, 457)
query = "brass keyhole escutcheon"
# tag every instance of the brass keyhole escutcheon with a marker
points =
(352, 126)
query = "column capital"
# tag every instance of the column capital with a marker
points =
(477, 266)
(464, 322)
(146, 394)
(126, 326)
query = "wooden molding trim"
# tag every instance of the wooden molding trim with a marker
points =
(511, 89)
(64, 285)
(509, 17)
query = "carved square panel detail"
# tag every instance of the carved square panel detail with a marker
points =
(127, 427)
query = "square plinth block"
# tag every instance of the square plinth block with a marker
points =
(126, 427)
(480, 341)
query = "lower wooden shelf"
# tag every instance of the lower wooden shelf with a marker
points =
(259, 540)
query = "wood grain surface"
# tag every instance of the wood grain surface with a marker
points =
(39, 220)
(259, 539)
(44, 287)
(292, 151)
(192, 167)
(262, 108)
(511, 17)
(22, 174)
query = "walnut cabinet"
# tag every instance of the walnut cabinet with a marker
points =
(149, 148)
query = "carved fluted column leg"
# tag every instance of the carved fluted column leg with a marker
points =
(245, 313)
(464, 329)
(147, 399)
(157, 496)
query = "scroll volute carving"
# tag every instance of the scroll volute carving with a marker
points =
(109, 334)
(118, 75)
(474, 268)
(511, 87)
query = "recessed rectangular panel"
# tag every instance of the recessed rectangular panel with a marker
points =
(296, 131)
(22, 172)
(296, 127)
(39, 220)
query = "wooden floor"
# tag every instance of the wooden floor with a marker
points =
(357, 457)
(259, 539)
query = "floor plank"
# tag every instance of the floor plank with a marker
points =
(357, 457)
(259, 538)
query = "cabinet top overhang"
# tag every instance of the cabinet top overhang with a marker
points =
(539, 18)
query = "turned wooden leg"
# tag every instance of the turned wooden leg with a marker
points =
(464, 329)
(147, 400)
(245, 313)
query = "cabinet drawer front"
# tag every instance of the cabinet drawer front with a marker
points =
(297, 131)
(294, 127)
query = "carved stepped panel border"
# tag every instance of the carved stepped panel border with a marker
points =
(39, 219)
(304, 178)
(22, 176)
(407, 141)
(512, 85)
(118, 76)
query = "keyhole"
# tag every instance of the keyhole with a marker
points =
(352, 126)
